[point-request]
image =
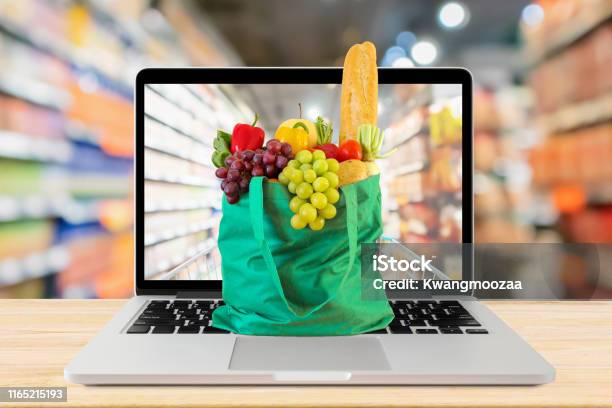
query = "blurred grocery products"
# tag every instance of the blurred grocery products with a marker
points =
(570, 57)
(422, 180)
(66, 142)
(183, 200)
(502, 198)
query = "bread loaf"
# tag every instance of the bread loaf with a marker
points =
(359, 100)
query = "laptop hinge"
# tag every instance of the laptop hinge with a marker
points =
(199, 295)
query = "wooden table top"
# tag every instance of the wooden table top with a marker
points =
(39, 337)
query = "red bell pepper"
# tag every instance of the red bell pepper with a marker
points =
(247, 137)
(349, 150)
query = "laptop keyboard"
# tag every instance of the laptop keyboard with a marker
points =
(411, 317)
(178, 316)
(432, 317)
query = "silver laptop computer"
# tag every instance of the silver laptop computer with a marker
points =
(164, 334)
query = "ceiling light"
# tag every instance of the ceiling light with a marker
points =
(453, 15)
(424, 52)
(532, 14)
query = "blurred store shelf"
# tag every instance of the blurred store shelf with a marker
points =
(36, 92)
(34, 265)
(14, 145)
(66, 142)
(421, 181)
(577, 115)
(502, 179)
(570, 74)
(570, 23)
(183, 195)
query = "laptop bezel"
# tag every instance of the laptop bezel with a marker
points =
(287, 76)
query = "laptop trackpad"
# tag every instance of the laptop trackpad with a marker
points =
(308, 354)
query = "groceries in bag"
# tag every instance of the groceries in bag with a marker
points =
(290, 247)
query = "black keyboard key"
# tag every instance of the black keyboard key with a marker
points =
(163, 329)
(156, 316)
(213, 330)
(165, 314)
(139, 329)
(156, 309)
(426, 331)
(158, 305)
(400, 329)
(418, 312)
(140, 322)
(399, 311)
(459, 314)
(456, 310)
(476, 331)
(156, 319)
(204, 304)
(196, 323)
(397, 322)
(453, 322)
(189, 330)
(450, 330)
(177, 303)
(416, 323)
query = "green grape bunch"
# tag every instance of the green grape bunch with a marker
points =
(313, 180)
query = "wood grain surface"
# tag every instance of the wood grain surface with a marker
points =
(39, 337)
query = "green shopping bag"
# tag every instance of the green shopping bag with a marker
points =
(278, 281)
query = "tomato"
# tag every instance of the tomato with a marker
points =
(349, 150)
(330, 149)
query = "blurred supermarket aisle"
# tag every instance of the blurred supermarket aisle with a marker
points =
(66, 136)
(543, 137)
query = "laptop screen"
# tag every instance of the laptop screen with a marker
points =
(420, 182)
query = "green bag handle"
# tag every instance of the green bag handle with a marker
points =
(256, 205)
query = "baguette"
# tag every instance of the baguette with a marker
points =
(359, 100)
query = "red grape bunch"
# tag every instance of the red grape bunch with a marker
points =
(242, 165)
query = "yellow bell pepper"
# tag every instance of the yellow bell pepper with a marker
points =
(297, 136)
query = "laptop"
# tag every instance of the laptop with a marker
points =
(165, 333)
